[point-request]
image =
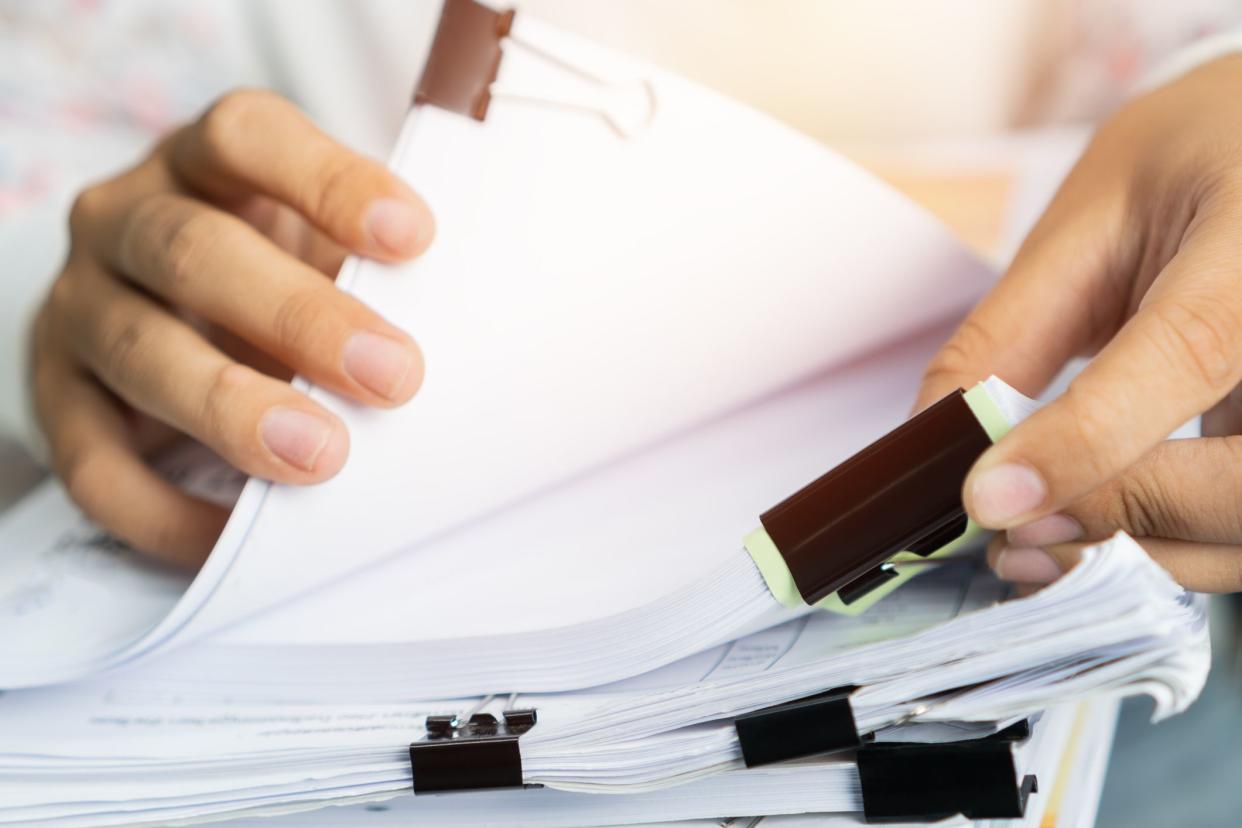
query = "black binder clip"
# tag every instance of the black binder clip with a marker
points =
(817, 724)
(901, 493)
(476, 752)
(903, 782)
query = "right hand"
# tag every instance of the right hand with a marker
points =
(196, 282)
(1137, 263)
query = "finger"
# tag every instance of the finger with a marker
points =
(218, 267)
(160, 365)
(1202, 567)
(1180, 501)
(257, 142)
(1177, 357)
(1031, 565)
(1048, 307)
(103, 473)
(1186, 489)
(293, 234)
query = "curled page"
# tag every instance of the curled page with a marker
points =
(587, 295)
(600, 281)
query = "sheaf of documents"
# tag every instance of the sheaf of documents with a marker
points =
(637, 340)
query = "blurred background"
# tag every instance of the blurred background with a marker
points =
(975, 110)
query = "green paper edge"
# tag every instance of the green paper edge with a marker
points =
(987, 412)
(771, 564)
(772, 567)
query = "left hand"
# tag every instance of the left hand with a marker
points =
(196, 283)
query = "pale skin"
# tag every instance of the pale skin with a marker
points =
(1138, 261)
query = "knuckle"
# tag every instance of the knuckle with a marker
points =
(87, 209)
(960, 355)
(168, 241)
(142, 233)
(1139, 507)
(337, 194)
(233, 113)
(62, 296)
(80, 471)
(218, 416)
(1199, 337)
(58, 320)
(188, 243)
(302, 318)
(126, 349)
(1092, 439)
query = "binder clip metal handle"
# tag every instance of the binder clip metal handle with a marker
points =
(462, 67)
(472, 752)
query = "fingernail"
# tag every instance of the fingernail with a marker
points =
(393, 225)
(1004, 493)
(378, 362)
(294, 436)
(1025, 565)
(1046, 531)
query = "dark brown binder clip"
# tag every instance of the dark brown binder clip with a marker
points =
(462, 68)
(464, 58)
(901, 493)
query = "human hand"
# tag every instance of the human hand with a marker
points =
(1137, 261)
(196, 282)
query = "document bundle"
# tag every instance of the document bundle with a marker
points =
(938, 662)
(655, 541)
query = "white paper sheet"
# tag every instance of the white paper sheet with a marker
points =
(588, 295)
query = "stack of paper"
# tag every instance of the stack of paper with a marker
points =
(632, 354)
(1072, 747)
(129, 750)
